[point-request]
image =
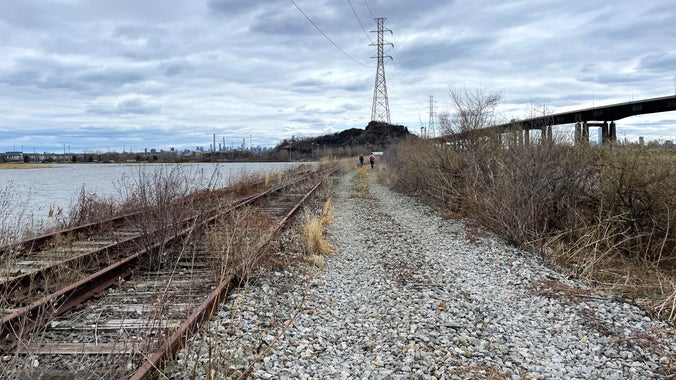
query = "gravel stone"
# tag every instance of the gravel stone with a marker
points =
(409, 294)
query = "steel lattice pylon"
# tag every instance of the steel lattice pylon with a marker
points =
(380, 110)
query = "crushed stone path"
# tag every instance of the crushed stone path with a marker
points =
(410, 295)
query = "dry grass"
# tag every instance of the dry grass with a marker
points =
(313, 232)
(234, 239)
(317, 261)
(553, 289)
(361, 183)
(15, 165)
(11, 216)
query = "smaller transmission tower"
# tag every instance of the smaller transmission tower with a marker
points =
(380, 110)
(430, 126)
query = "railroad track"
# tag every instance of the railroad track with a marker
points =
(143, 299)
(42, 265)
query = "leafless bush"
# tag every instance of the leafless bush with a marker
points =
(159, 198)
(637, 185)
(474, 109)
(8, 217)
(87, 208)
(431, 170)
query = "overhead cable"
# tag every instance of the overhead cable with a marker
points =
(369, 8)
(359, 20)
(327, 37)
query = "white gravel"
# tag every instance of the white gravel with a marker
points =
(411, 295)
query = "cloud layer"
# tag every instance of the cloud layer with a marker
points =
(108, 74)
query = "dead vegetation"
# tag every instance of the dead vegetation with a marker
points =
(161, 202)
(236, 242)
(315, 243)
(361, 183)
(604, 214)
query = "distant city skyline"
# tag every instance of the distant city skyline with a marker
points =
(158, 74)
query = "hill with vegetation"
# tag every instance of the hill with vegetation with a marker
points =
(351, 142)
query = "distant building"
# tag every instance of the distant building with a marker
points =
(641, 140)
(12, 157)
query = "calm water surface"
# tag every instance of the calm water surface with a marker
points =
(26, 195)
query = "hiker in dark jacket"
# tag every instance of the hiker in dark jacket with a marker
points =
(361, 160)
(372, 160)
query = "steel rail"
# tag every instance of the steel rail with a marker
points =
(177, 340)
(23, 280)
(24, 320)
(38, 243)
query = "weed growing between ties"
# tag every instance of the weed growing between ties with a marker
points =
(161, 202)
(23, 365)
(236, 241)
(607, 214)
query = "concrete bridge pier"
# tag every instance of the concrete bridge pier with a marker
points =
(517, 137)
(608, 132)
(578, 133)
(546, 133)
(613, 132)
(526, 137)
(585, 133)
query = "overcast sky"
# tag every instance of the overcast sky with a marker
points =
(128, 74)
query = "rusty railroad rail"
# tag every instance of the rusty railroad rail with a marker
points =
(187, 292)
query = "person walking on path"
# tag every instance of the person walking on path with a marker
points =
(372, 160)
(361, 160)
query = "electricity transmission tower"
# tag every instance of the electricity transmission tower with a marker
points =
(380, 110)
(430, 126)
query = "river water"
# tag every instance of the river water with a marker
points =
(27, 195)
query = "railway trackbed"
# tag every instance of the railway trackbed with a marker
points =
(134, 295)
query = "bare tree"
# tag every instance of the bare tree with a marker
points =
(474, 109)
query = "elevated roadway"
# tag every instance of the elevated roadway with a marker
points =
(604, 117)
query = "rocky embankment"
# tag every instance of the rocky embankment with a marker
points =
(410, 295)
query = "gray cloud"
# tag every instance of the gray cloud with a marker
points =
(133, 105)
(112, 70)
(137, 105)
(658, 62)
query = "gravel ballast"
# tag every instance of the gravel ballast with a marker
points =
(409, 295)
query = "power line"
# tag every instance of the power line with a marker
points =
(369, 8)
(359, 20)
(327, 37)
(401, 65)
